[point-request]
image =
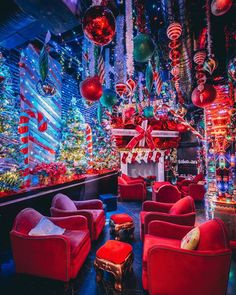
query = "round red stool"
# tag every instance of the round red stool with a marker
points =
(122, 226)
(115, 257)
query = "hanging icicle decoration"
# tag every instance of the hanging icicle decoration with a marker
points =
(129, 38)
(107, 69)
(91, 59)
(211, 63)
(140, 86)
(119, 50)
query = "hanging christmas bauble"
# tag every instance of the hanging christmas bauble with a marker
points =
(174, 31)
(232, 68)
(108, 98)
(205, 97)
(21, 64)
(91, 88)
(99, 25)
(143, 48)
(148, 112)
(220, 7)
(199, 57)
(46, 89)
(210, 65)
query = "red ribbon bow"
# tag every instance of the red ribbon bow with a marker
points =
(142, 133)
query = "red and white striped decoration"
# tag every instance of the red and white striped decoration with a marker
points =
(174, 31)
(89, 140)
(101, 69)
(121, 89)
(199, 59)
(158, 83)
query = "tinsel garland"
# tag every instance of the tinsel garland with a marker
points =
(107, 68)
(119, 50)
(208, 17)
(141, 17)
(91, 59)
(140, 86)
(129, 37)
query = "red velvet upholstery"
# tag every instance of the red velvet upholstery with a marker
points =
(121, 218)
(167, 193)
(196, 191)
(130, 179)
(185, 182)
(57, 257)
(132, 191)
(114, 251)
(182, 212)
(168, 269)
(91, 209)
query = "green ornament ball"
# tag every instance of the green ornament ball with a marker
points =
(143, 48)
(108, 98)
(148, 112)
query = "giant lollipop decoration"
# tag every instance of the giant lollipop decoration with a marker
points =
(99, 25)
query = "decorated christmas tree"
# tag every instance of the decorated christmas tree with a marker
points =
(105, 154)
(9, 118)
(73, 146)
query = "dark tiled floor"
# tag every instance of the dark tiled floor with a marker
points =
(12, 284)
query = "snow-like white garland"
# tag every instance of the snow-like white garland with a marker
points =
(119, 50)
(129, 37)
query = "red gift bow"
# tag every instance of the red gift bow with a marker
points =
(142, 133)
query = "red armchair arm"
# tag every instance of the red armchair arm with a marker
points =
(209, 269)
(47, 256)
(89, 204)
(71, 222)
(196, 191)
(156, 206)
(183, 219)
(168, 230)
(62, 213)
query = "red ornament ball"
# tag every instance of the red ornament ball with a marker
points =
(203, 98)
(2, 78)
(220, 7)
(91, 88)
(99, 25)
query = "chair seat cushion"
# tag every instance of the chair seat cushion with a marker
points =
(114, 251)
(151, 240)
(77, 239)
(121, 218)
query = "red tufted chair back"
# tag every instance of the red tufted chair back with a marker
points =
(62, 202)
(166, 194)
(183, 206)
(26, 220)
(213, 236)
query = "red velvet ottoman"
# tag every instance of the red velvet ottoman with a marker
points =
(122, 226)
(115, 257)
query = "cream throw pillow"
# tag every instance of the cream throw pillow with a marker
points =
(46, 228)
(191, 239)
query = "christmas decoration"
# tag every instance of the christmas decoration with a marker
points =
(101, 68)
(10, 181)
(143, 48)
(99, 25)
(205, 97)
(210, 65)
(129, 38)
(89, 140)
(73, 146)
(108, 98)
(220, 7)
(25, 117)
(148, 112)
(119, 51)
(158, 82)
(199, 58)
(149, 77)
(232, 69)
(91, 88)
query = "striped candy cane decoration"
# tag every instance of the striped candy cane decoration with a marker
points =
(23, 129)
(89, 140)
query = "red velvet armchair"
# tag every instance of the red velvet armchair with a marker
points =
(58, 257)
(182, 212)
(130, 179)
(195, 190)
(91, 209)
(170, 270)
(166, 193)
(132, 191)
(185, 182)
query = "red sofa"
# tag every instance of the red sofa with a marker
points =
(58, 257)
(182, 212)
(91, 209)
(170, 270)
(166, 193)
(132, 190)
